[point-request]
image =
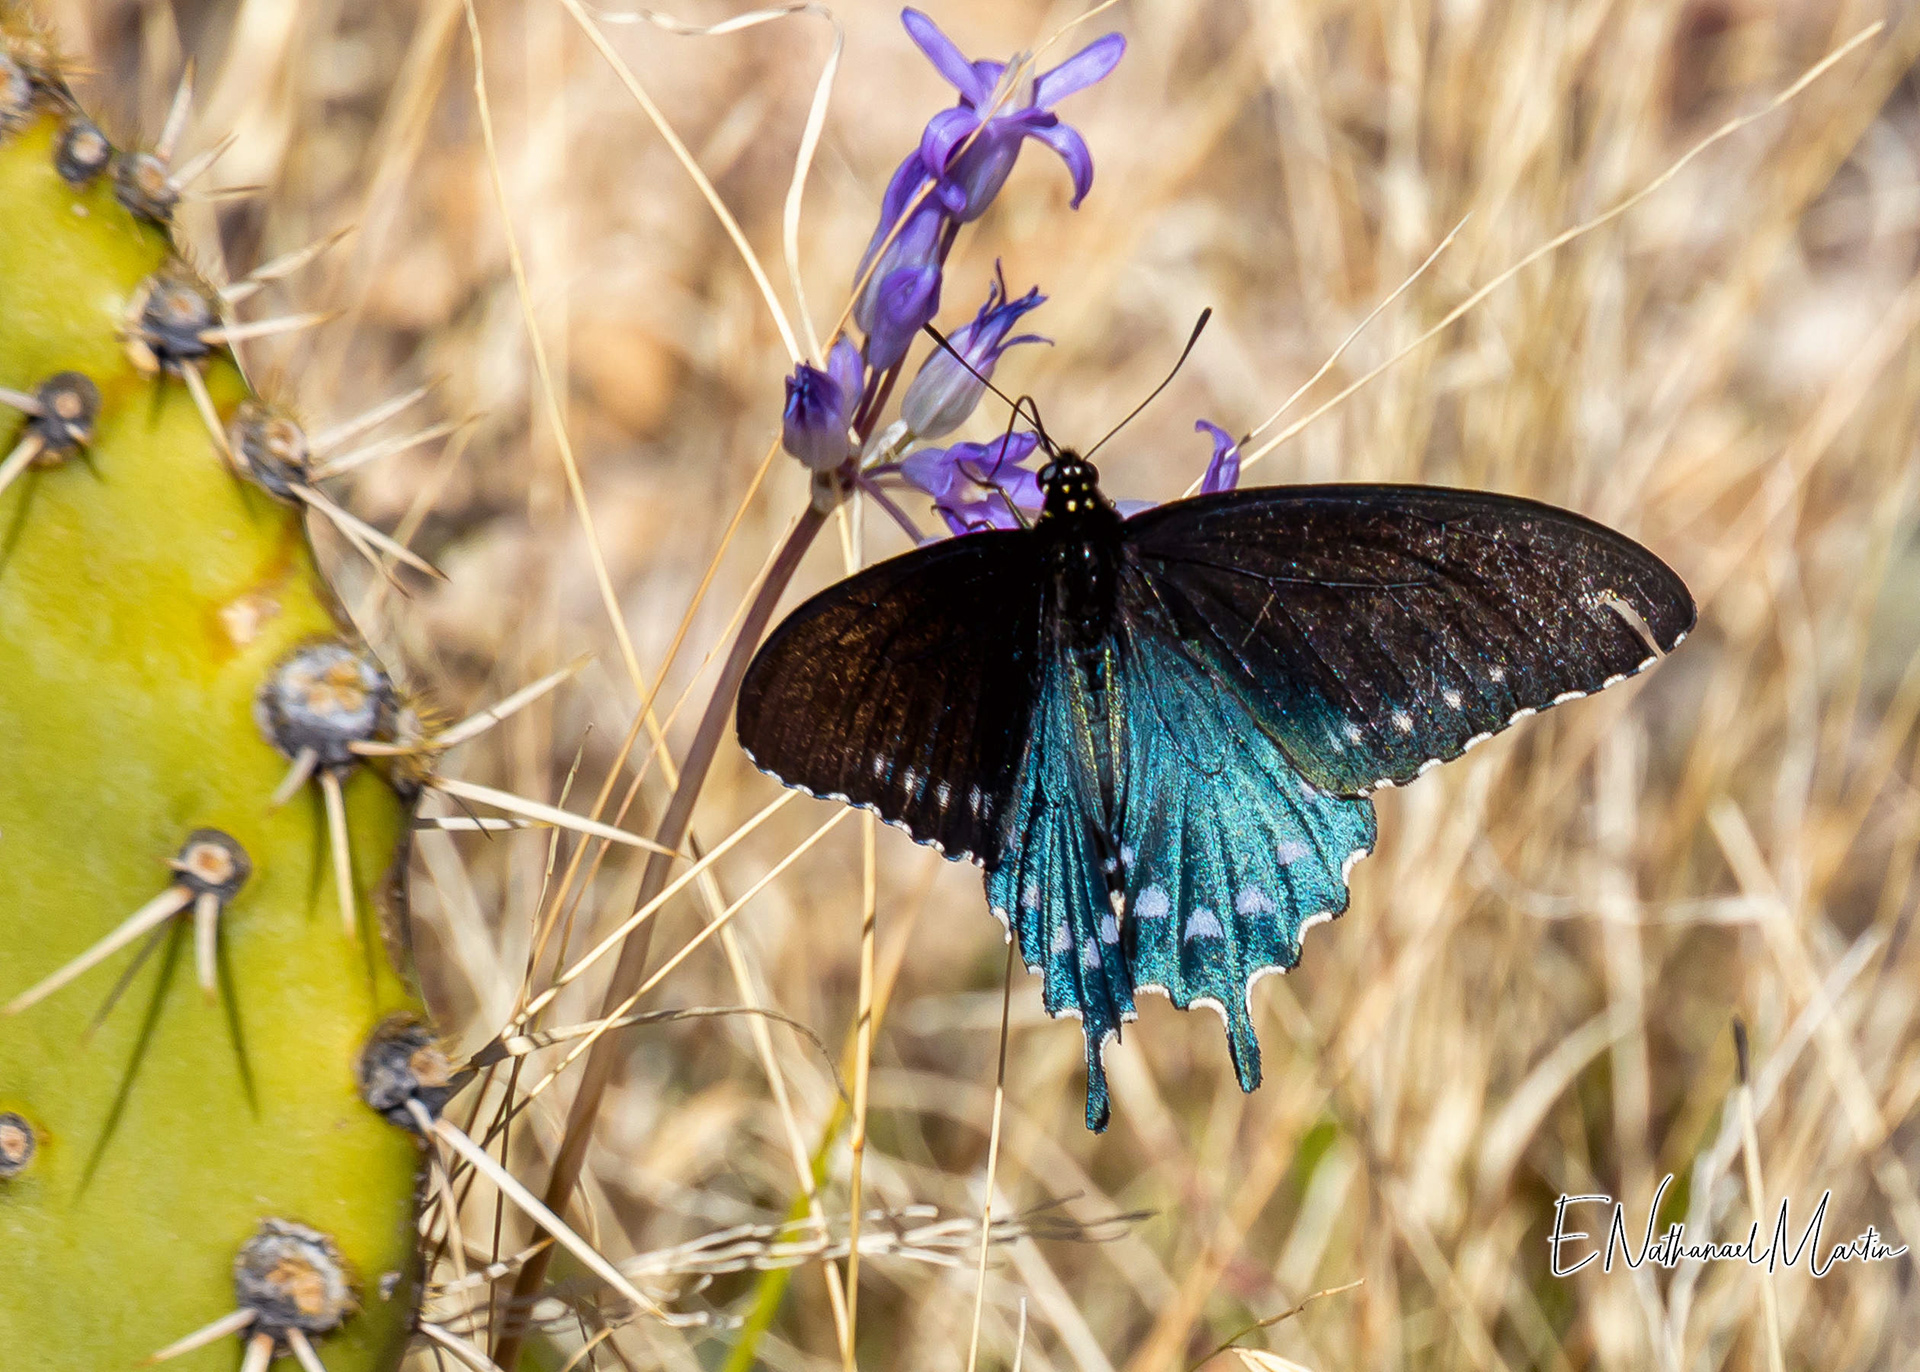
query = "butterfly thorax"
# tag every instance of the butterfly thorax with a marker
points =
(1082, 534)
(1083, 538)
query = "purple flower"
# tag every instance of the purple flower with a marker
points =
(1223, 471)
(903, 291)
(973, 483)
(820, 407)
(945, 391)
(968, 178)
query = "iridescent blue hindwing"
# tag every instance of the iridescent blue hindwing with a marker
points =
(1229, 854)
(1048, 886)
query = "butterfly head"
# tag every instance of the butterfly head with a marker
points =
(1072, 486)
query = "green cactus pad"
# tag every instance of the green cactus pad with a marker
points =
(145, 593)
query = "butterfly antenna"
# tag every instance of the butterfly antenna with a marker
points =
(1199, 325)
(1024, 406)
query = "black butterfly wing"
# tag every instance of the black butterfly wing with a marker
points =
(1387, 628)
(908, 688)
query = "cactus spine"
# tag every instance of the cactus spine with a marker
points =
(189, 1145)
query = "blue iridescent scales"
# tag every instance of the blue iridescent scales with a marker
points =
(1224, 857)
(1158, 735)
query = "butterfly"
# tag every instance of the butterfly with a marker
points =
(1158, 734)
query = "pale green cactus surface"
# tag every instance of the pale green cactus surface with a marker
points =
(145, 593)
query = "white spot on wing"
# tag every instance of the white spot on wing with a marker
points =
(1452, 697)
(1203, 923)
(1063, 939)
(1428, 766)
(1565, 696)
(1089, 955)
(1253, 901)
(1153, 904)
(1354, 732)
(1109, 930)
(1403, 721)
(1497, 674)
(1289, 851)
(1527, 713)
(943, 793)
(1030, 898)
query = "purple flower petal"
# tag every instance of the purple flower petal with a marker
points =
(947, 59)
(845, 367)
(917, 244)
(945, 132)
(1081, 70)
(1019, 485)
(905, 183)
(907, 300)
(972, 483)
(931, 471)
(1223, 471)
(982, 168)
(950, 384)
(988, 73)
(813, 426)
(1073, 151)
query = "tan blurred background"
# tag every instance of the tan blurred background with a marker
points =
(1533, 991)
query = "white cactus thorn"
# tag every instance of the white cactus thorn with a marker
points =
(477, 824)
(550, 814)
(376, 452)
(509, 1186)
(303, 1353)
(480, 721)
(359, 532)
(278, 268)
(203, 402)
(169, 141)
(267, 328)
(206, 936)
(462, 1351)
(209, 870)
(328, 440)
(259, 1354)
(340, 844)
(24, 452)
(297, 776)
(200, 164)
(152, 915)
(230, 1323)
